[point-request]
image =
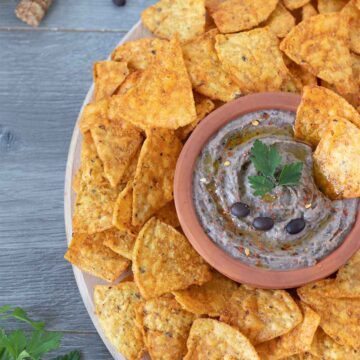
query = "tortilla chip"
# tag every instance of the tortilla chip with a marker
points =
(93, 114)
(108, 75)
(324, 347)
(207, 299)
(328, 6)
(337, 161)
(340, 318)
(295, 4)
(145, 105)
(154, 177)
(138, 54)
(353, 13)
(165, 327)
(167, 214)
(205, 71)
(164, 261)
(212, 340)
(169, 18)
(261, 315)
(253, 60)
(76, 181)
(116, 143)
(321, 45)
(204, 106)
(88, 253)
(129, 82)
(115, 308)
(318, 107)
(294, 342)
(120, 241)
(280, 21)
(348, 277)
(308, 11)
(237, 15)
(357, 2)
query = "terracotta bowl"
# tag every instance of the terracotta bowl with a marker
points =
(214, 255)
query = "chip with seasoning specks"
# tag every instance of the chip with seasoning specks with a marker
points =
(318, 107)
(337, 160)
(154, 176)
(115, 308)
(308, 11)
(295, 4)
(108, 76)
(169, 18)
(168, 215)
(213, 340)
(145, 105)
(321, 44)
(88, 253)
(205, 71)
(138, 54)
(164, 261)
(328, 6)
(208, 299)
(93, 114)
(166, 327)
(120, 241)
(281, 21)
(237, 15)
(262, 315)
(252, 59)
(351, 11)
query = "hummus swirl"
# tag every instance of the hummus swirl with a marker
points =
(221, 179)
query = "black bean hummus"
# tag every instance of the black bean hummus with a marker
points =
(221, 180)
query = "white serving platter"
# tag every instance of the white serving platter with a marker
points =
(86, 282)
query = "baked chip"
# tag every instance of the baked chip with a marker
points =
(207, 299)
(108, 75)
(308, 11)
(117, 142)
(93, 114)
(115, 308)
(294, 342)
(324, 347)
(337, 161)
(120, 241)
(261, 315)
(318, 107)
(321, 45)
(237, 15)
(161, 97)
(204, 106)
(154, 177)
(353, 13)
(166, 327)
(280, 21)
(88, 253)
(164, 261)
(129, 82)
(169, 18)
(212, 340)
(295, 4)
(138, 54)
(167, 214)
(348, 277)
(340, 317)
(328, 6)
(211, 5)
(253, 60)
(205, 71)
(357, 2)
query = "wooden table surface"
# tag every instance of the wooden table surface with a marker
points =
(44, 76)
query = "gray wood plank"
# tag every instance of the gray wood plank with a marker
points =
(97, 15)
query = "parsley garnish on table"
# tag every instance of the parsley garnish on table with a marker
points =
(267, 161)
(21, 345)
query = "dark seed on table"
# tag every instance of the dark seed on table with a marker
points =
(240, 209)
(119, 2)
(263, 223)
(295, 226)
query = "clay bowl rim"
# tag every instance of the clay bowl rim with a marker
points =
(214, 255)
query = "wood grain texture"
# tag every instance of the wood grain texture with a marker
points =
(90, 15)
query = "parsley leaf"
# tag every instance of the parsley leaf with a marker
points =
(291, 174)
(261, 185)
(265, 158)
(73, 355)
(42, 342)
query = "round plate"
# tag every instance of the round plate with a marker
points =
(86, 282)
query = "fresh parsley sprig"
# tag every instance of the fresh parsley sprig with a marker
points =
(266, 160)
(16, 345)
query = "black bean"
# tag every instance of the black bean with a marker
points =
(295, 226)
(240, 209)
(263, 223)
